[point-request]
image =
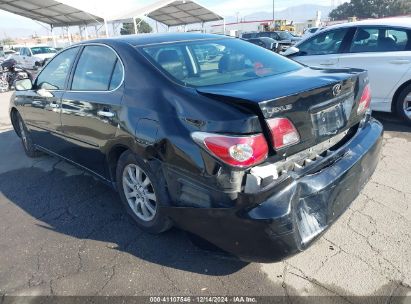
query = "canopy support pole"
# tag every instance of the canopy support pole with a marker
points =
(52, 36)
(106, 26)
(135, 25)
(86, 31)
(69, 35)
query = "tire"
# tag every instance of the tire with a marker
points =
(403, 103)
(141, 196)
(26, 138)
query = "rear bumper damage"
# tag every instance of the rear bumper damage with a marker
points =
(285, 218)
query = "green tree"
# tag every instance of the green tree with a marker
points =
(371, 9)
(142, 27)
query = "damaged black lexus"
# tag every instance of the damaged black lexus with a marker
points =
(251, 151)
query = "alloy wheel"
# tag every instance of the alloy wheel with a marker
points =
(407, 105)
(23, 134)
(139, 192)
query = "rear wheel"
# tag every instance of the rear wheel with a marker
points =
(26, 139)
(142, 193)
(403, 105)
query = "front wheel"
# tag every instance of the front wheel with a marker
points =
(403, 105)
(26, 139)
(142, 192)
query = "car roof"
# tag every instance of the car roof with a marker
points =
(147, 39)
(398, 21)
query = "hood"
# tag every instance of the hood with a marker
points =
(277, 86)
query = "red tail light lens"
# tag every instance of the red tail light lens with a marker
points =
(283, 132)
(365, 100)
(238, 151)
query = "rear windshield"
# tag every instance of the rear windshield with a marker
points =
(212, 62)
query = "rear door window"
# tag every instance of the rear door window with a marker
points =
(380, 40)
(325, 43)
(95, 70)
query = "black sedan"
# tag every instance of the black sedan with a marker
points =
(265, 42)
(246, 149)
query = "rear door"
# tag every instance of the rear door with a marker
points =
(90, 107)
(385, 52)
(324, 49)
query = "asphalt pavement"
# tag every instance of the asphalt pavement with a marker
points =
(64, 233)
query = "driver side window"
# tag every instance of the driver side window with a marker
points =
(54, 75)
(324, 43)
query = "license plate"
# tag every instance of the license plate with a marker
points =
(329, 121)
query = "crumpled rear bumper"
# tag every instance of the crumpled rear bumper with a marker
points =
(290, 216)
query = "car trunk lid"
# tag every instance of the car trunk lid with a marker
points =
(320, 103)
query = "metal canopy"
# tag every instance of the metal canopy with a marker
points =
(50, 12)
(172, 13)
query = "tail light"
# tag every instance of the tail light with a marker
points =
(365, 100)
(237, 151)
(283, 132)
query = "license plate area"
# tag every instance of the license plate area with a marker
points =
(329, 121)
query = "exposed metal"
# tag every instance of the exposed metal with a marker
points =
(50, 12)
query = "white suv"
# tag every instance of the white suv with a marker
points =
(381, 46)
(34, 57)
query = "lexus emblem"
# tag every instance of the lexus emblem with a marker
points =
(337, 89)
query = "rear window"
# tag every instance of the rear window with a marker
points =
(202, 63)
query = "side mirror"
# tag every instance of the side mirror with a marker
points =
(292, 50)
(23, 85)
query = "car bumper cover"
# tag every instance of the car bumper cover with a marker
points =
(288, 219)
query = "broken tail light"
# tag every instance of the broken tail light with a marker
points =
(283, 132)
(365, 100)
(237, 151)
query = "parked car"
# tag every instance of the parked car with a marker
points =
(248, 150)
(284, 38)
(383, 47)
(265, 42)
(34, 57)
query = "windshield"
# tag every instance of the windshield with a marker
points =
(43, 50)
(202, 63)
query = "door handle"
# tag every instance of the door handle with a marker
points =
(104, 113)
(400, 61)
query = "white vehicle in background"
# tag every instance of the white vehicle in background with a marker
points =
(34, 57)
(381, 46)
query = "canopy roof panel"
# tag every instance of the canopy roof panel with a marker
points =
(172, 13)
(50, 12)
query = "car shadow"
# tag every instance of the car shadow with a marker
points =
(391, 122)
(78, 205)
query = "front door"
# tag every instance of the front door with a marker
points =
(324, 49)
(385, 53)
(42, 104)
(90, 107)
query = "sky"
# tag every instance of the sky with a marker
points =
(103, 8)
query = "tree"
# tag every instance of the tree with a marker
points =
(142, 27)
(371, 9)
(7, 41)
